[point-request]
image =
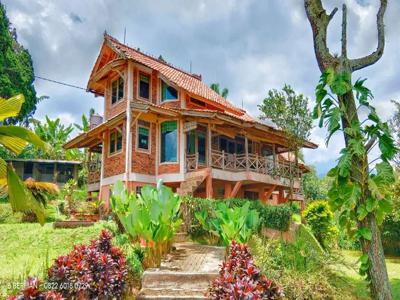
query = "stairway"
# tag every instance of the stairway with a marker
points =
(186, 273)
(188, 186)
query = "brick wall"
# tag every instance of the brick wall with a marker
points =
(143, 162)
(114, 164)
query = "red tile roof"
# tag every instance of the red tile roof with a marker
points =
(182, 79)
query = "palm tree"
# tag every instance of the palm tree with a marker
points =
(14, 139)
(215, 87)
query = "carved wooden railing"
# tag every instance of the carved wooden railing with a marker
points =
(94, 168)
(241, 162)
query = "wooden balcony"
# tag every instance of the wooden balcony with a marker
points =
(94, 168)
(242, 163)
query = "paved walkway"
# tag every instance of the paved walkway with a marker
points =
(190, 257)
(185, 273)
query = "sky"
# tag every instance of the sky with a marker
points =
(248, 46)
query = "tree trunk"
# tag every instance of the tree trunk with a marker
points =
(380, 286)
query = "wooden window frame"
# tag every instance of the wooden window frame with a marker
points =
(123, 91)
(137, 137)
(171, 85)
(178, 141)
(140, 72)
(116, 152)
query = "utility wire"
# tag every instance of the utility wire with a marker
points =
(62, 83)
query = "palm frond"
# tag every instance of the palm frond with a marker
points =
(10, 107)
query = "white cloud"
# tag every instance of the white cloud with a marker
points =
(247, 46)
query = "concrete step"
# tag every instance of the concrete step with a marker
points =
(170, 294)
(158, 279)
(181, 237)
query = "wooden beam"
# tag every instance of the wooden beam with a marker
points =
(267, 194)
(209, 187)
(236, 189)
(227, 190)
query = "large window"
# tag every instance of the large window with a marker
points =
(143, 135)
(169, 141)
(144, 86)
(115, 142)
(117, 90)
(168, 93)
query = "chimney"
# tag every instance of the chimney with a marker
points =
(95, 120)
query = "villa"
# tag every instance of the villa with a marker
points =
(161, 122)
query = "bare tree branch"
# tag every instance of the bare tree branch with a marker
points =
(319, 21)
(344, 31)
(359, 63)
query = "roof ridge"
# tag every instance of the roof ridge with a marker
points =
(228, 104)
(195, 76)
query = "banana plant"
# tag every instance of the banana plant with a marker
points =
(151, 215)
(14, 139)
(230, 224)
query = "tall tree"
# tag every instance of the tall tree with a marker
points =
(289, 111)
(16, 70)
(355, 192)
(395, 129)
(223, 93)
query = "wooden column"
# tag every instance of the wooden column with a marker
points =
(246, 151)
(261, 195)
(209, 141)
(209, 187)
(236, 189)
(128, 146)
(274, 158)
(227, 190)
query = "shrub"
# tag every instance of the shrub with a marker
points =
(7, 216)
(239, 278)
(391, 235)
(133, 252)
(300, 268)
(236, 223)
(271, 216)
(90, 271)
(319, 217)
(151, 217)
(32, 291)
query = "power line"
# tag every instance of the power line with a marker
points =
(61, 83)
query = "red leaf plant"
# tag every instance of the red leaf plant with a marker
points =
(240, 279)
(95, 271)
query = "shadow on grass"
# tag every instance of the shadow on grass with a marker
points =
(360, 289)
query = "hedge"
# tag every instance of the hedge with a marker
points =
(271, 216)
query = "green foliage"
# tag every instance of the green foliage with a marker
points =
(230, 224)
(270, 216)
(289, 111)
(356, 196)
(301, 268)
(16, 70)
(313, 187)
(151, 215)
(319, 217)
(223, 93)
(133, 253)
(7, 216)
(55, 134)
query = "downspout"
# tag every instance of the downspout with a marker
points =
(128, 148)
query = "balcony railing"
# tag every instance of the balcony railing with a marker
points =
(242, 162)
(94, 168)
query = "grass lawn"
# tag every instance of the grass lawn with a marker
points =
(29, 249)
(360, 289)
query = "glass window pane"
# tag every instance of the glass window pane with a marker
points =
(120, 88)
(144, 86)
(114, 90)
(169, 139)
(112, 142)
(119, 141)
(201, 144)
(143, 138)
(168, 92)
(191, 139)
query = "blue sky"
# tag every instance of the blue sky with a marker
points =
(247, 46)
